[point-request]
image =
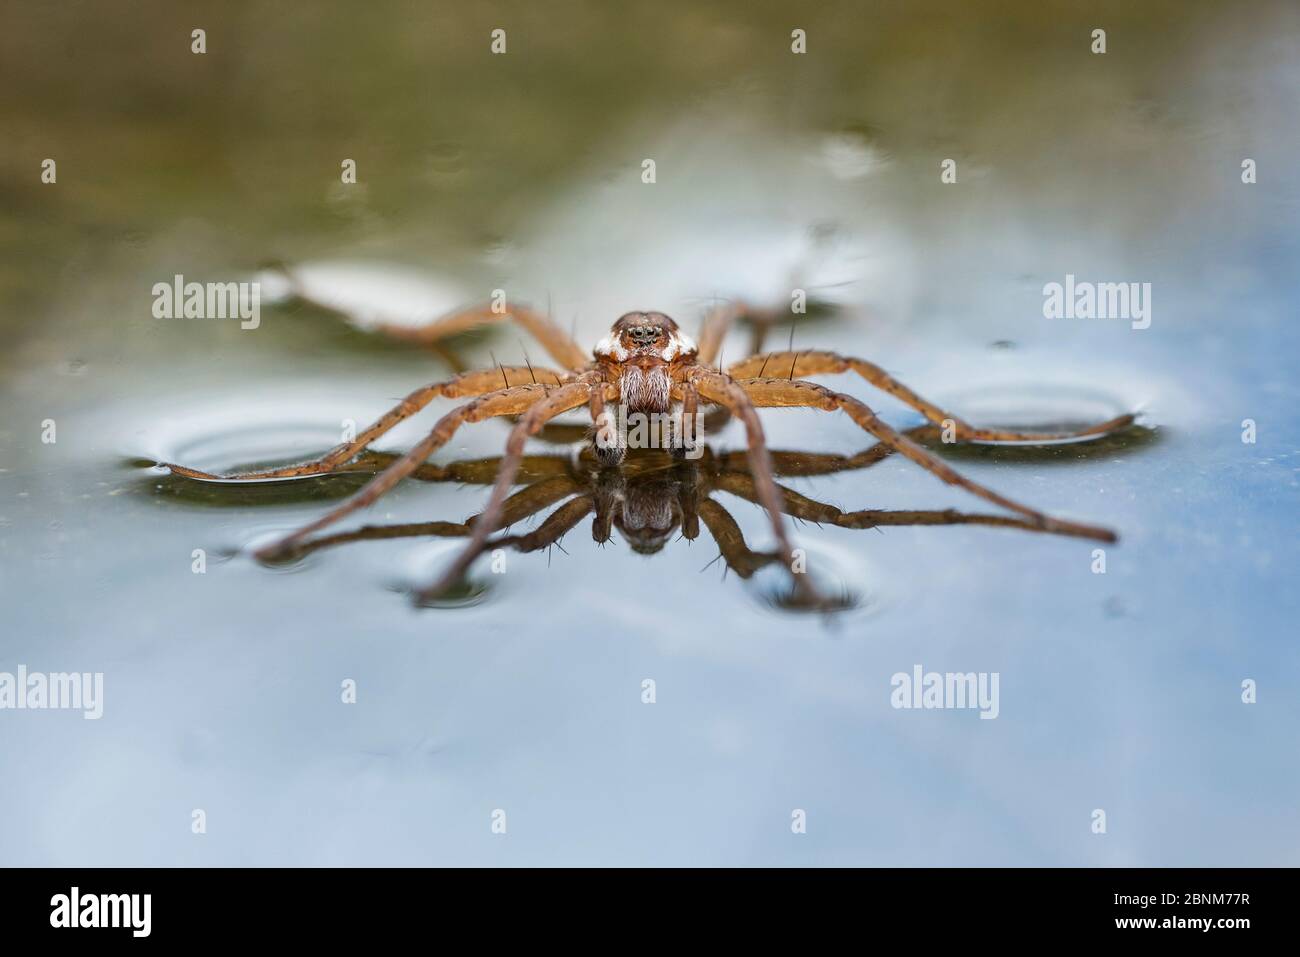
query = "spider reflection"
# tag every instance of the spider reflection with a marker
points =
(653, 496)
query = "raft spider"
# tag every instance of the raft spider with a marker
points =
(649, 366)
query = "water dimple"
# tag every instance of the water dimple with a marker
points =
(844, 581)
(427, 563)
(1044, 407)
(239, 449)
(1036, 407)
(262, 535)
(218, 448)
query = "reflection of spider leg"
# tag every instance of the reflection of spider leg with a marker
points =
(810, 510)
(803, 394)
(689, 496)
(796, 365)
(504, 402)
(722, 390)
(533, 468)
(526, 502)
(822, 463)
(739, 557)
(541, 411)
(532, 499)
(556, 525)
(463, 386)
(564, 433)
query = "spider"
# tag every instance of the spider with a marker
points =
(649, 366)
(652, 496)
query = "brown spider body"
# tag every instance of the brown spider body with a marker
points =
(649, 366)
(646, 356)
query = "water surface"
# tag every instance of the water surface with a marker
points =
(1119, 691)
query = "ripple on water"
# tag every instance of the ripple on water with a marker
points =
(265, 533)
(215, 444)
(242, 447)
(1039, 407)
(842, 576)
(426, 564)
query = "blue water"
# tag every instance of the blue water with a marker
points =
(1119, 691)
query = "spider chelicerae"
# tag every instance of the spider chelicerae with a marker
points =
(647, 365)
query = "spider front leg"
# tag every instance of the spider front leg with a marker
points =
(462, 386)
(504, 402)
(541, 411)
(555, 340)
(722, 390)
(718, 321)
(797, 365)
(801, 394)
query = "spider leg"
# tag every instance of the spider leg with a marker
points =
(718, 321)
(803, 394)
(300, 292)
(724, 391)
(462, 386)
(538, 413)
(554, 340)
(797, 365)
(503, 402)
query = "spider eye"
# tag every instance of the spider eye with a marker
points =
(643, 335)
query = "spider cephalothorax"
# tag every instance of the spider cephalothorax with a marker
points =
(646, 365)
(644, 354)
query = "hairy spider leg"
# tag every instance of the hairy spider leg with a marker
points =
(798, 365)
(726, 392)
(800, 393)
(558, 343)
(462, 386)
(719, 320)
(503, 402)
(555, 402)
